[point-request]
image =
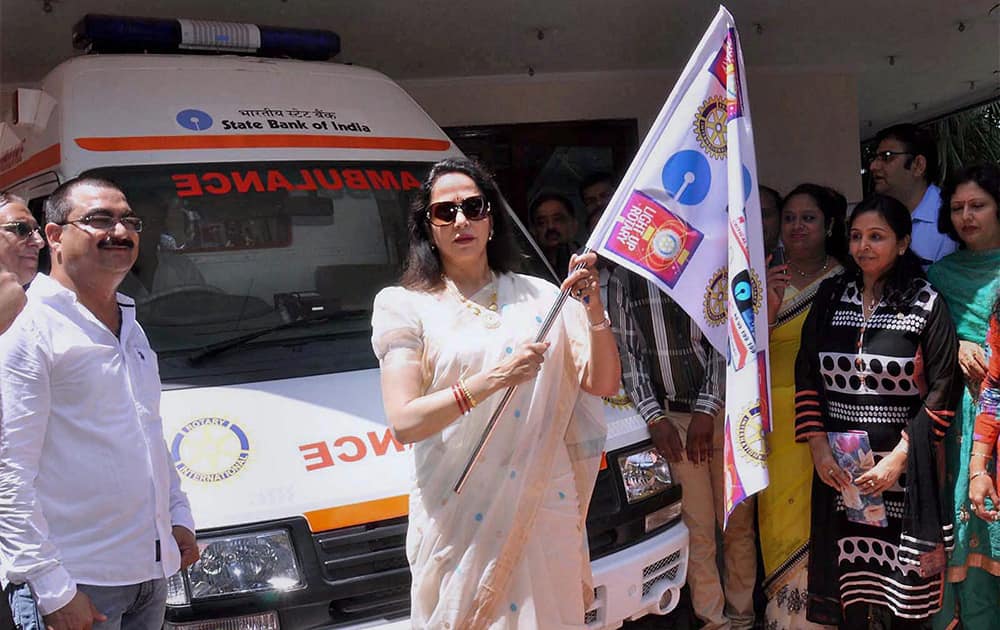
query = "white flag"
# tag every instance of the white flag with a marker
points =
(687, 217)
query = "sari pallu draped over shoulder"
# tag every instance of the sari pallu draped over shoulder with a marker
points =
(783, 508)
(525, 504)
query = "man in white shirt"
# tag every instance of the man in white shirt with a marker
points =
(905, 167)
(92, 517)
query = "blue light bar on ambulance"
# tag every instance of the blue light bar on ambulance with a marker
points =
(118, 34)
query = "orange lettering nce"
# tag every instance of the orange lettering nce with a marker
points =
(348, 449)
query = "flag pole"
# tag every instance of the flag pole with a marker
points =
(507, 395)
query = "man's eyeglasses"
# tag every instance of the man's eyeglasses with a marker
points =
(106, 223)
(885, 156)
(444, 212)
(22, 229)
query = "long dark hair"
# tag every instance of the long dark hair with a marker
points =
(986, 176)
(423, 264)
(899, 279)
(833, 205)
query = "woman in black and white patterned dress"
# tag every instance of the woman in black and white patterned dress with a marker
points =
(878, 354)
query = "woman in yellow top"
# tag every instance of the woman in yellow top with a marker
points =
(813, 239)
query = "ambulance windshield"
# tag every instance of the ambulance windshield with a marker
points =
(232, 249)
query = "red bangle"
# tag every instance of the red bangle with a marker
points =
(460, 399)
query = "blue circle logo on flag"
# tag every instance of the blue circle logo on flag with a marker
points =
(710, 126)
(687, 177)
(194, 119)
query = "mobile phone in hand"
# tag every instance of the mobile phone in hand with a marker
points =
(778, 257)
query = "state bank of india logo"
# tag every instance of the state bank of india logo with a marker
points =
(710, 126)
(714, 305)
(750, 436)
(210, 449)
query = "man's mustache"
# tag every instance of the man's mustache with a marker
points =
(115, 242)
(552, 234)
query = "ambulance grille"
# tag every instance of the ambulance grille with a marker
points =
(366, 566)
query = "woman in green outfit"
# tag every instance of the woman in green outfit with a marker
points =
(969, 279)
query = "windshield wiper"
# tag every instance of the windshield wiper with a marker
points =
(215, 349)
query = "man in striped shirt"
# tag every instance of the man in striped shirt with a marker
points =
(677, 381)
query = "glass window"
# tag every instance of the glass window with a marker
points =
(231, 250)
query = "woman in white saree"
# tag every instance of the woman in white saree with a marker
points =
(510, 551)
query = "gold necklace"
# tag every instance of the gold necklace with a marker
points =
(826, 265)
(489, 313)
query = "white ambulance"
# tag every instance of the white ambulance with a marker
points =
(274, 196)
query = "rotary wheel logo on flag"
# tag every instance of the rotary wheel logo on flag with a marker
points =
(715, 299)
(710, 126)
(753, 446)
(715, 296)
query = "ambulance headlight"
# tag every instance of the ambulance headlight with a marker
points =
(238, 564)
(644, 473)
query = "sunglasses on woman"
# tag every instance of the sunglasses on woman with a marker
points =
(22, 229)
(444, 212)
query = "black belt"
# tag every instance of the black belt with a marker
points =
(677, 406)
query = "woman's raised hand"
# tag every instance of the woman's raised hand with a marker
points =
(584, 284)
(523, 365)
(777, 282)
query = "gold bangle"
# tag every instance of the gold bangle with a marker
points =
(656, 420)
(983, 455)
(468, 394)
(978, 474)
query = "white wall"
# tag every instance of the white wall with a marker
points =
(805, 123)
